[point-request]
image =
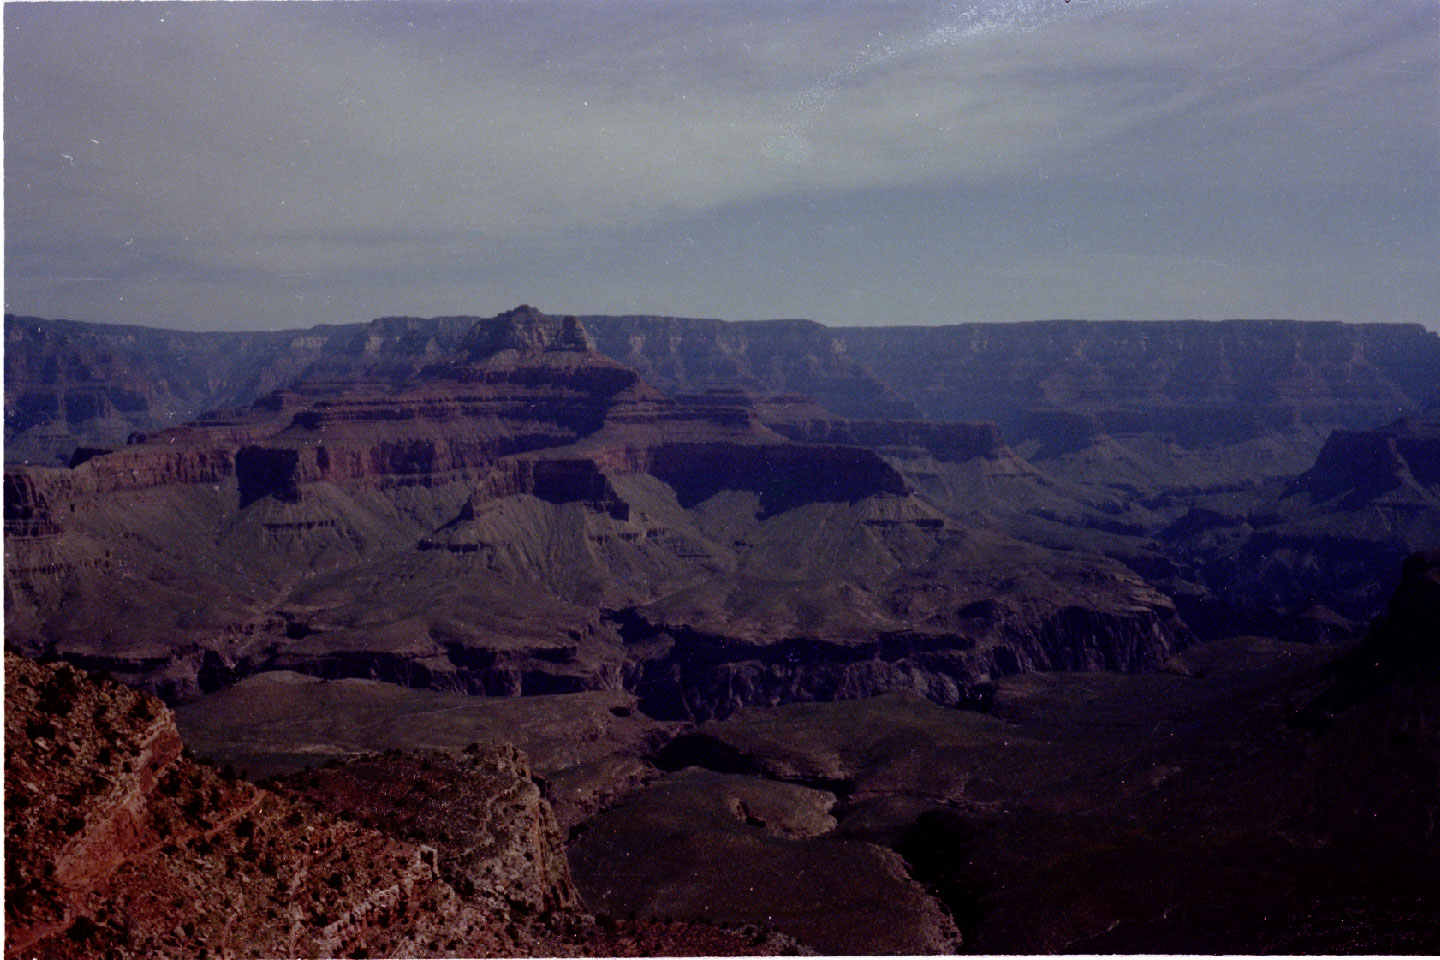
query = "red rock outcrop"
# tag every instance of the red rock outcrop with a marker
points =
(524, 382)
(117, 843)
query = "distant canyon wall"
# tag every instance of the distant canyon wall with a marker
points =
(1193, 381)
(70, 384)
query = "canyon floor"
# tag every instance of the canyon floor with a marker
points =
(1172, 812)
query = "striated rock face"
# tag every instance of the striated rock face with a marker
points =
(76, 384)
(495, 837)
(70, 384)
(497, 523)
(766, 356)
(800, 419)
(525, 409)
(525, 329)
(782, 476)
(1199, 382)
(117, 843)
(702, 676)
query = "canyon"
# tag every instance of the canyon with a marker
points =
(898, 610)
(525, 515)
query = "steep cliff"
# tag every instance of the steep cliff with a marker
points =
(1199, 382)
(1398, 461)
(1326, 545)
(491, 524)
(682, 355)
(70, 384)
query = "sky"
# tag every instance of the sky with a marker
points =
(273, 165)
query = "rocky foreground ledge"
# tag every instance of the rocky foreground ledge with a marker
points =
(119, 844)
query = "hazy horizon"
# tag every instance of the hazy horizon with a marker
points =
(247, 166)
(361, 321)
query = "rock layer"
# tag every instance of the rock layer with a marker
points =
(499, 521)
(1199, 382)
(71, 384)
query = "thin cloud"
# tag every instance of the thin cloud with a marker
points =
(158, 143)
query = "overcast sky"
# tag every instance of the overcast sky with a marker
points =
(262, 165)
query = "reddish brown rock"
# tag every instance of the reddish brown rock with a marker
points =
(118, 844)
(115, 842)
(486, 526)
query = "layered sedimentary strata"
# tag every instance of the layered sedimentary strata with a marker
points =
(71, 384)
(694, 674)
(495, 838)
(118, 843)
(1199, 382)
(474, 528)
(800, 419)
(766, 357)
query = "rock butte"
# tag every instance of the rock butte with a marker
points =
(604, 535)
